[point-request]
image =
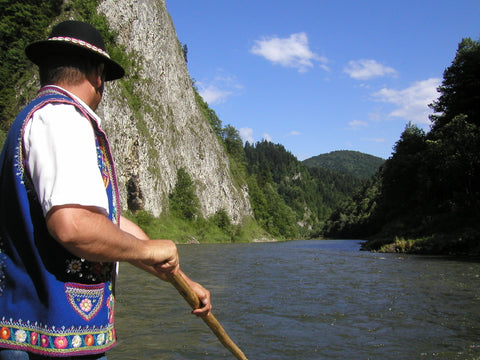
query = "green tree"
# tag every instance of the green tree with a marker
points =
(430, 187)
(233, 143)
(183, 200)
(402, 173)
(21, 22)
(460, 89)
(454, 152)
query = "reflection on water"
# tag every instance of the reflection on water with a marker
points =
(305, 300)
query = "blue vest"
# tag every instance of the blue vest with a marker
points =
(51, 302)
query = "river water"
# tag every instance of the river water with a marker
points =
(318, 299)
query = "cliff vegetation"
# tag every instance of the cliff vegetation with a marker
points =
(185, 175)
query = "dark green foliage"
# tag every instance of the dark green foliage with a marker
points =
(460, 89)
(282, 187)
(233, 143)
(289, 199)
(209, 114)
(430, 187)
(183, 200)
(20, 24)
(223, 222)
(185, 52)
(355, 218)
(354, 163)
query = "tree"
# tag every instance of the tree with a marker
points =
(455, 135)
(460, 89)
(455, 154)
(401, 174)
(20, 24)
(183, 200)
(233, 142)
(185, 52)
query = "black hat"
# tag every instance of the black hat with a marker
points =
(74, 37)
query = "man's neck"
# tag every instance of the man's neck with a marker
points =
(85, 92)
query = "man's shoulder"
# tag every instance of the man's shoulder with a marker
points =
(58, 110)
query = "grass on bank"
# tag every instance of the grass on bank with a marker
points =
(216, 229)
(460, 242)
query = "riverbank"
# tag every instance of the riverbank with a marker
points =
(464, 242)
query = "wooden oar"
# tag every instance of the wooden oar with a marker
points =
(189, 295)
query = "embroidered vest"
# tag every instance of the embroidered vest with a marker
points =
(51, 302)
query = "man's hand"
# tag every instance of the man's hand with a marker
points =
(204, 297)
(164, 257)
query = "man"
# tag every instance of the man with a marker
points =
(60, 226)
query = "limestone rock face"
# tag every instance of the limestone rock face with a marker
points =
(161, 128)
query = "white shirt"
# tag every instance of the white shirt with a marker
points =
(61, 157)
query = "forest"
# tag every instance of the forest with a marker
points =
(424, 198)
(355, 163)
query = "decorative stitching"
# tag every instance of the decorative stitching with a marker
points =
(2, 267)
(86, 300)
(43, 339)
(81, 270)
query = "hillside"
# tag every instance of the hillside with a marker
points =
(426, 198)
(288, 198)
(348, 162)
(154, 123)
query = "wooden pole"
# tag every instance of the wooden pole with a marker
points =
(189, 295)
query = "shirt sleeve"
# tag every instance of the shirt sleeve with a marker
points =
(61, 157)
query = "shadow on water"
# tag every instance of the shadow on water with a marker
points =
(319, 299)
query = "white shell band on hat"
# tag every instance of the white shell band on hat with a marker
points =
(81, 43)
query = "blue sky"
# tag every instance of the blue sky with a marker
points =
(318, 76)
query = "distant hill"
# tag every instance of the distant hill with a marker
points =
(348, 162)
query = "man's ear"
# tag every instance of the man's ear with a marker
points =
(99, 76)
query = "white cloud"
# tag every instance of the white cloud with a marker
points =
(377, 140)
(212, 94)
(365, 69)
(293, 133)
(247, 135)
(219, 89)
(355, 124)
(292, 52)
(412, 103)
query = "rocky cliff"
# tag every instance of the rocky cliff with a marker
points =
(154, 123)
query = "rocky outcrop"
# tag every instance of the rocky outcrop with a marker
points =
(154, 123)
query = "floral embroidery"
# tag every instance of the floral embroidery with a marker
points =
(74, 266)
(100, 339)
(20, 336)
(102, 164)
(86, 300)
(81, 270)
(4, 333)
(92, 332)
(86, 305)
(76, 341)
(60, 342)
(44, 341)
(89, 340)
(35, 336)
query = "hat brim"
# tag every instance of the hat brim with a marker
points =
(40, 52)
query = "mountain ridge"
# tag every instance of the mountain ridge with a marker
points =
(349, 162)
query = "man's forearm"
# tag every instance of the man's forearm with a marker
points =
(89, 234)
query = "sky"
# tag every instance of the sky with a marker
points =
(318, 76)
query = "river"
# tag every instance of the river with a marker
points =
(317, 299)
